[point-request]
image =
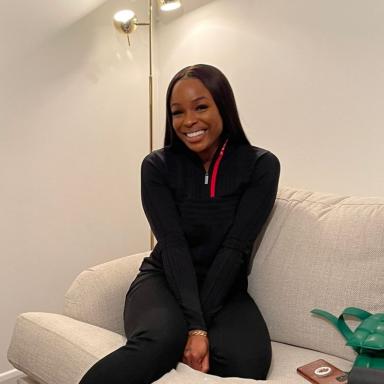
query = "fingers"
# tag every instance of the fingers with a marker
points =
(192, 361)
(200, 364)
(205, 364)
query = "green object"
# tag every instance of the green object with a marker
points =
(367, 339)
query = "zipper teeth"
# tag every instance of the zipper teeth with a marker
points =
(216, 169)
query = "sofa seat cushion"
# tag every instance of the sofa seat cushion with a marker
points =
(26, 380)
(55, 349)
(285, 360)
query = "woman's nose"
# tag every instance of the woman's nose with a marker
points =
(190, 119)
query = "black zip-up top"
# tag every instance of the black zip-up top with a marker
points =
(206, 222)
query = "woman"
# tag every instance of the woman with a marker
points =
(206, 195)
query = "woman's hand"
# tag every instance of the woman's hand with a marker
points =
(196, 353)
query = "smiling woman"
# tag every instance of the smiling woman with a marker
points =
(206, 195)
(196, 119)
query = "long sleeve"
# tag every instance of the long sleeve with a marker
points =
(163, 217)
(254, 208)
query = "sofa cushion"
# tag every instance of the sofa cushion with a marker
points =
(80, 345)
(285, 360)
(55, 349)
(26, 380)
(97, 295)
(318, 251)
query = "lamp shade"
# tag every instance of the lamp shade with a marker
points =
(169, 5)
(125, 21)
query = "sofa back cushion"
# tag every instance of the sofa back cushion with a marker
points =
(318, 251)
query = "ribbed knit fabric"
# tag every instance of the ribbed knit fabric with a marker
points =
(204, 242)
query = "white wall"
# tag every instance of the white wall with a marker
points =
(73, 132)
(308, 77)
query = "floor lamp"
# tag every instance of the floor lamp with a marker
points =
(125, 21)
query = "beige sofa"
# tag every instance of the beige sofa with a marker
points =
(318, 250)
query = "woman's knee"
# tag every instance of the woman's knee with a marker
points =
(163, 329)
(254, 367)
(251, 364)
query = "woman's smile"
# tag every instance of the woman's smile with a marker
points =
(195, 135)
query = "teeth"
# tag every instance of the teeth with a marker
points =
(194, 134)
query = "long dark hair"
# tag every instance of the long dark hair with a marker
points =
(221, 91)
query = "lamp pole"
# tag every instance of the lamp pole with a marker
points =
(150, 86)
(150, 89)
(150, 79)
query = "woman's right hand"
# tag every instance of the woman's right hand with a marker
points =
(196, 353)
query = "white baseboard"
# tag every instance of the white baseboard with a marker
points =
(10, 375)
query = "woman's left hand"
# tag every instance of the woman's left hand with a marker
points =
(196, 353)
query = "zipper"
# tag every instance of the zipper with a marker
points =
(212, 193)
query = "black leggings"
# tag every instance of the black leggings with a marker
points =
(157, 333)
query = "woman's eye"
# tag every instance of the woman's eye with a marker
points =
(202, 107)
(175, 113)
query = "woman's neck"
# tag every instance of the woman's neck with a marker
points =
(207, 157)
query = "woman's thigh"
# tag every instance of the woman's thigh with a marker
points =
(239, 340)
(156, 335)
(152, 310)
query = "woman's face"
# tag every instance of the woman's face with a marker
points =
(195, 117)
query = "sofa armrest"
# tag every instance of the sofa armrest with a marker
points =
(97, 295)
(55, 349)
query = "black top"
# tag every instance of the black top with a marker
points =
(205, 241)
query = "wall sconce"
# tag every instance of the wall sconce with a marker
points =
(125, 21)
